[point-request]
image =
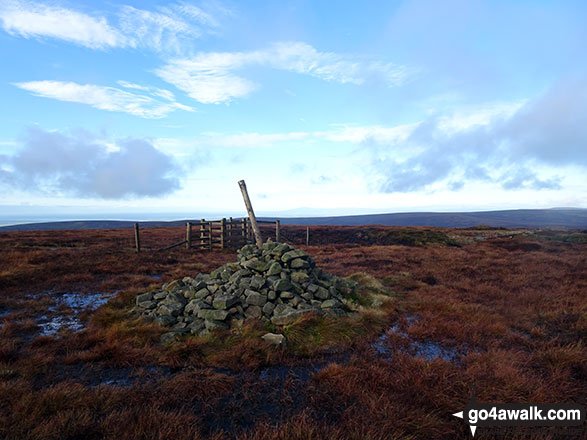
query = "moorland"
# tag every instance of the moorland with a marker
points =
(503, 310)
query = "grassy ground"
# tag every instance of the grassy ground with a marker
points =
(505, 311)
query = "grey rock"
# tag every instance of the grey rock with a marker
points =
(257, 282)
(194, 306)
(197, 326)
(171, 285)
(254, 312)
(159, 296)
(175, 298)
(268, 308)
(256, 265)
(313, 288)
(212, 325)
(144, 297)
(165, 321)
(169, 309)
(256, 299)
(330, 303)
(299, 277)
(148, 305)
(282, 285)
(286, 295)
(274, 339)
(224, 302)
(274, 269)
(322, 293)
(288, 256)
(213, 314)
(299, 263)
(202, 293)
(308, 296)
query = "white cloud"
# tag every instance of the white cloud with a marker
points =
(103, 98)
(207, 78)
(29, 19)
(211, 78)
(162, 30)
(171, 28)
(87, 166)
(162, 93)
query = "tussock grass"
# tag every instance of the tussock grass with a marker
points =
(516, 307)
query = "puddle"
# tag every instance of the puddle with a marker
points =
(74, 303)
(51, 325)
(430, 350)
(3, 313)
(426, 349)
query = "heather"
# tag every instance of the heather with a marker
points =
(503, 310)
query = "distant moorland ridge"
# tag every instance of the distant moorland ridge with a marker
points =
(570, 218)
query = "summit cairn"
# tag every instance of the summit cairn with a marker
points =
(275, 283)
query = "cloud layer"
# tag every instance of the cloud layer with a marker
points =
(508, 149)
(85, 166)
(168, 28)
(109, 98)
(211, 78)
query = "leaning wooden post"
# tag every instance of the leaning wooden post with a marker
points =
(202, 234)
(252, 217)
(307, 235)
(277, 231)
(188, 235)
(137, 238)
(222, 232)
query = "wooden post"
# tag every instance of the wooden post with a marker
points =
(307, 235)
(222, 232)
(188, 235)
(244, 230)
(252, 217)
(229, 231)
(210, 234)
(202, 243)
(277, 231)
(137, 238)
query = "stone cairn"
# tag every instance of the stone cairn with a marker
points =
(276, 284)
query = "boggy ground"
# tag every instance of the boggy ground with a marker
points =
(505, 311)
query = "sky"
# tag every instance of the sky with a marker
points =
(321, 107)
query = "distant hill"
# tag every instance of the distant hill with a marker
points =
(570, 218)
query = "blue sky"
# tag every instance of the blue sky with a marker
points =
(336, 107)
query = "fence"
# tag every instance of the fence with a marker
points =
(219, 234)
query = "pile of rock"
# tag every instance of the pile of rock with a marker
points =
(276, 283)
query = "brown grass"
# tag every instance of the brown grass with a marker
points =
(513, 305)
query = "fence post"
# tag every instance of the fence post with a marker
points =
(222, 232)
(188, 235)
(277, 231)
(210, 234)
(244, 230)
(137, 238)
(307, 235)
(229, 231)
(202, 244)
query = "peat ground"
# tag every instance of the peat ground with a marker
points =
(503, 310)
